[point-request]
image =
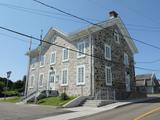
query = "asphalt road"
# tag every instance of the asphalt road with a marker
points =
(10, 111)
(130, 112)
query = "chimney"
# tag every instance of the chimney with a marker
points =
(113, 14)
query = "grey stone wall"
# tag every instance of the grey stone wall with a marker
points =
(117, 56)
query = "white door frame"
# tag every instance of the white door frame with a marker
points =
(51, 86)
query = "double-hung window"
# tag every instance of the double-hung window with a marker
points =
(81, 75)
(32, 81)
(126, 59)
(53, 58)
(107, 52)
(33, 63)
(81, 49)
(42, 60)
(41, 77)
(64, 77)
(108, 75)
(65, 54)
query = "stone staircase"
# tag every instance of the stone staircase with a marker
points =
(97, 103)
(39, 95)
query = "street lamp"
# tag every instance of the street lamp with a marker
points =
(8, 76)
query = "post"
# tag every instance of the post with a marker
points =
(6, 88)
(28, 70)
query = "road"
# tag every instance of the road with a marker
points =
(10, 111)
(146, 111)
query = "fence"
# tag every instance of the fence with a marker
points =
(106, 93)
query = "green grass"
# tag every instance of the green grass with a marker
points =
(11, 100)
(54, 101)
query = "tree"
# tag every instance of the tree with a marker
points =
(2, 85)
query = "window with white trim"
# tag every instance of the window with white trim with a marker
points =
(81, 49)
(32, 81)
(54, 39)
(33, 62)
(81, 75)
(42, 60)
(53, 58)
(116, 35)
(108, 75)
(126, 59)
(107, 52)
(64, 77)
(65, 54)
(41, 77)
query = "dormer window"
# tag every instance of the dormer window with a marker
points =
(54, 39)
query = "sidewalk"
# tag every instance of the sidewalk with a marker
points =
(85, 111)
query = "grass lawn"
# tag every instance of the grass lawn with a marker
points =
(55, 101)
(11, 100)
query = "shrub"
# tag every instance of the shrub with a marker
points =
(64, 96)
(10, 93)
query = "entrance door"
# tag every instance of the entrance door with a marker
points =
(127, 80)
(52, 80)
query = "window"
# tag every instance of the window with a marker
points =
(53, 58)
(107, 52)
(54, 39)
(81, 75)
(33, 63)
(108, 75)
(42, 60)
(41, 77)
(65, 55)
(116, 35)
(65, 77)
(32, 81)
(81, 49)
(126, 59)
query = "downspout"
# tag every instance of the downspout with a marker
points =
(91, 65)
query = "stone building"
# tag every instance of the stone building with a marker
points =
(96, 61)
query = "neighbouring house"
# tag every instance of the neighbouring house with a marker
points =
(147, 83)
(95, 61)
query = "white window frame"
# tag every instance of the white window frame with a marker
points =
(80, 83)
(64, 84)
(82, 55)
(44, 57)
(107, 83)
(54, 39)
(64, 60)
(54, 52)
(126, 61)
(110, 52)
(116, 35)
(31, 84)
(42, 79)
(33, 65)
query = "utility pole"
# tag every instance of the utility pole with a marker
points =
(39, 58)
(28, 70)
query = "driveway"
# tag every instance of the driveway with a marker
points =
(9, 111)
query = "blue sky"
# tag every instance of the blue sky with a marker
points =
(140, 16)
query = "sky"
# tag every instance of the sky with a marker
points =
(141, 18)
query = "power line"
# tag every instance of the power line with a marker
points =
(37, 39)
(77, 17)
(148, 69)
(41, 12)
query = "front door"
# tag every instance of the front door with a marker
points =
(127, 80)
(52, 80)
